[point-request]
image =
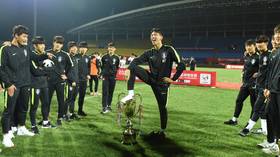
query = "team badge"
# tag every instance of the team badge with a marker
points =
(86, 60)
(265, 60)
(114, 60)
(37, 91)
(25, 52)
(253, 61)
(59, 59)
(164, 55)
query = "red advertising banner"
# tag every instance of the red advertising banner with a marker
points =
(192, 78)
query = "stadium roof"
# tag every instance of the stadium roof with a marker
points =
(196, 16)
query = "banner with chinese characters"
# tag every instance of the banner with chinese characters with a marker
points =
(192, 78)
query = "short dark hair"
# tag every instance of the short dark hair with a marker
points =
(157, 30)
(19, 30)
(277, 29)
(72, 44)
(38, 40)
(262, 39)
(249, 42)
(111, 44)
(83, 44)
(58, 39)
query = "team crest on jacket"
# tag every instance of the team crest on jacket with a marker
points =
(253, 61)
(86, 60)
(25, 52)
(114, 60)
(37, 91)
(59, 59)
(164, 55)
(265, 60)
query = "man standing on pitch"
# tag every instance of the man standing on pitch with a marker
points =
(57, 78)
(160, 59)
(249, 75)
(84, 75)
(110, 64)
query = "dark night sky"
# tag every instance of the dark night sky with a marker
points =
(55, 17)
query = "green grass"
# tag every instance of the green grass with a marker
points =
(195, 128)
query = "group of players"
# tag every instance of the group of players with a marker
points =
(32, 76)
(261, 82)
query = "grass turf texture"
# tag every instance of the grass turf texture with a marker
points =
(195, 128)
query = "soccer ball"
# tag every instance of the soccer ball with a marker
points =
(48, 63)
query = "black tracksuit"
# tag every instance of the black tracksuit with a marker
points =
(160, 66)
(63, 65)
(273, 107)
(72, 90)
(109, 68)
(83, 66)
(248, 87)
(39, 91)
(16, 64)
(3, 75)
(259, 106)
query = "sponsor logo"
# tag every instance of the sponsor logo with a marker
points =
(205, 79)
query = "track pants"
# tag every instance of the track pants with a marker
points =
(108, 87)
(71, 98)
(259, 107)
(273, 113)
(244, 92)
(39, 94)
(59, 89)
(82, 94)
(15, 109)
(160, 91)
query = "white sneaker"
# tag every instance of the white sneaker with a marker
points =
(264, 144)
(14, 129)
(7, 141)
(11, 134)
(259, 131)
(105, 111)
(272, 149)
(22, 131)
(126, 98)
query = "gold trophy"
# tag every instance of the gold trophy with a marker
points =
(131, 109)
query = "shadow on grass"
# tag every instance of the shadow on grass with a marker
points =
(126, 151)
(166, 147)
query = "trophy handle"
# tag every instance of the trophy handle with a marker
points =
(141, 99)
(119, 109)
(122, 94)
(140, 108)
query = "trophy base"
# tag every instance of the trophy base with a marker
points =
(129, 137)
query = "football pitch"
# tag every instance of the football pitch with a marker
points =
(195, 127)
